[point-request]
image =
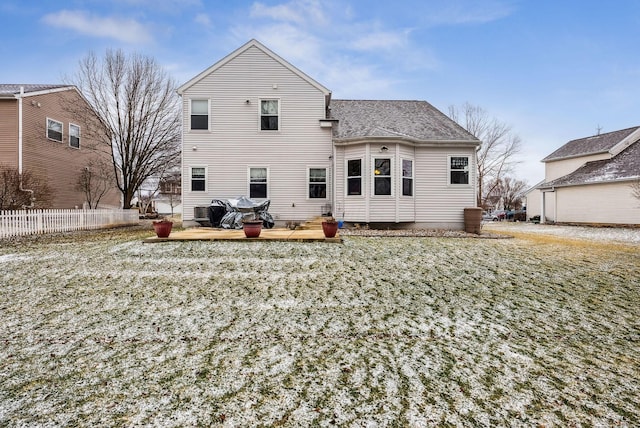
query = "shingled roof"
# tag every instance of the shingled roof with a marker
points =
(14, 89)
(590, 145)
(623, 167)
(416, 121)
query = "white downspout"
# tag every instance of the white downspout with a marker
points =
(20, 157)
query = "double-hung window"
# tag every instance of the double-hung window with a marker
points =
(54, 130)
(407, 177)
(382, 176)
(354, 177)
(317, 183)
(74, 136)
(200, 114)
(459, 169)
(269, 115)
(258, 183)
(198, 179)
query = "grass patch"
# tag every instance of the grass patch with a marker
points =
(106, 331)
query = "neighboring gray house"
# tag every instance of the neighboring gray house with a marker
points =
(255, 125)
(589, 180)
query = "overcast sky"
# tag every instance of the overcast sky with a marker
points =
(555, 70)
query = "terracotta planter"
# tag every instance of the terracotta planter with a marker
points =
(330, 228)
(252, 228)
(162, 228)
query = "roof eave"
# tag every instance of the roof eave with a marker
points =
(405, 140)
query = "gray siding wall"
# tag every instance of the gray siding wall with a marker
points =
(235, 142)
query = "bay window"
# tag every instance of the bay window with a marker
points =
(382, 176)
(354, 177)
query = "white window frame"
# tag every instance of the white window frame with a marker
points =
(410, 177)
(449, 170)
(249, 180)
(206, 174)
(61, 130)
(326, 182)
(208, 114)
(361, 177)
(260, 114)
(373, 176)
(70, 135)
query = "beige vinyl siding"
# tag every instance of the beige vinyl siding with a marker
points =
(560, 168)
(611, 203)
(435, 202)
(534, 203)
(439, 203)
(9, 133)
(236, 142)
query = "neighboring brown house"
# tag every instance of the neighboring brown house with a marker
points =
(41, 134)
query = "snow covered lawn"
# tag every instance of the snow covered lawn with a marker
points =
(101, 330)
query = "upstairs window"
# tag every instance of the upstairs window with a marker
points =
(317, 183)
(459, 170)
(407, 177)
(382, 176)
(74, 136)
(269, 115)
(200, 114)
(354, 177)
(258, 181)
(198, 179)
(54, 130)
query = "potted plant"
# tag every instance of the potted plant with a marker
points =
(252, 227)
(329, 227)
(162, 227)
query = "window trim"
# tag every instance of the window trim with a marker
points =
(449, 170)
(79, 135)
(326, 183)
(249, 168)
(373, 176)
(411, 177)
(206, 173)
(260, 100)
(191, 100)
(347, 177)
(61, 130)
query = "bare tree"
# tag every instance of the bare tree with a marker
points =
(140, 109)
(496, 155)
(511, 192)
(12, 193)
(94, 181)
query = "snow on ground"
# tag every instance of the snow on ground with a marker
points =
(388, 331)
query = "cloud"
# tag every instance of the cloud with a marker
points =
(457, 12)
(296, 11)
(124, 30)
(203, 18)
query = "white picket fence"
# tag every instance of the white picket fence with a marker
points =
(31, 222)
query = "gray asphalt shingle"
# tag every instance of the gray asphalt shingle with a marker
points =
(411, 120)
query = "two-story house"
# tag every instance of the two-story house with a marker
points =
(255, 125)
(45, 129)
(589, 180)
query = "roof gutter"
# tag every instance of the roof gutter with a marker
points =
(20, 156)
(404, 140)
